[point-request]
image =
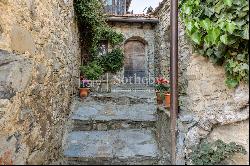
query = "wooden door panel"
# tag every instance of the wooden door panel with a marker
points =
(134, 59)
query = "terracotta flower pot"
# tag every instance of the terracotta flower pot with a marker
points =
(167, 100)
(84, 92)
(158, 97)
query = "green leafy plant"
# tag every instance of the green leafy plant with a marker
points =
(219, 29)
(211, 153)
(92, 71)
(93, 27)
(113, 61)
(113, 37)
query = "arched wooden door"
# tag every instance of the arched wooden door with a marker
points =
(134, 60)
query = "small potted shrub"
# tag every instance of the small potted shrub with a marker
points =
(92, 71)
(162, 87)
(84, 88)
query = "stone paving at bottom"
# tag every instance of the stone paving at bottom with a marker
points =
(121, 144)
(131, 137)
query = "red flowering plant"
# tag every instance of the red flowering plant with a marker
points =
(84, 83)
(162, 85)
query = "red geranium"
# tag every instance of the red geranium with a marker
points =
(161, 80)
(162, 84)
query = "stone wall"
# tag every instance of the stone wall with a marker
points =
(236, 132)
(162, 40)
(208, 109)
(162, 46)
(39, 59)
(213, 106)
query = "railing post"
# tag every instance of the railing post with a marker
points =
(174, 76)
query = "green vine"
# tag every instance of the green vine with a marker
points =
(113, 61)
(219, 29)
(94, 29)
(211, 153)
(92, 71)
(93, 26)
(113, 37)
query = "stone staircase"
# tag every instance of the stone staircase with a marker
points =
(118, 128)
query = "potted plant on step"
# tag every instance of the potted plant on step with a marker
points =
(89, 72)
(162, 87)
(159, 96)
(84, 88)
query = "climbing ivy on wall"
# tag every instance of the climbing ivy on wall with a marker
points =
(112, 62)
(93, 29)
(93, 26)
(219, 29)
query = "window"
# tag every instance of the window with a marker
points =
(109, 2)
(115, 6)
(103, 48)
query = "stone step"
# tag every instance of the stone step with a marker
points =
(131, 87)
(94, 115)
(124, 97)
(126, 147)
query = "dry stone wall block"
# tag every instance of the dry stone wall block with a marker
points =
(22, 41)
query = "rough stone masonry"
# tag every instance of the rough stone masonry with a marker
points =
(39, 56)
(209, 109)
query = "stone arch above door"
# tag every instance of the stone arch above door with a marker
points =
(137, 38)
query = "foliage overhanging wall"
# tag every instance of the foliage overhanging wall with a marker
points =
(94, 29)
(219, 29)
